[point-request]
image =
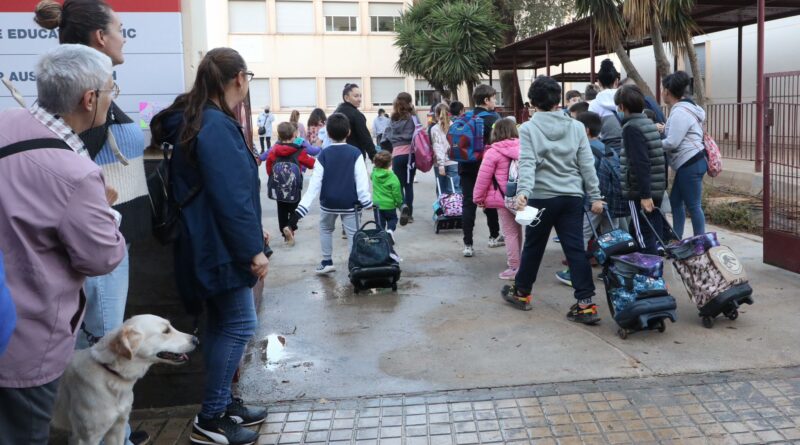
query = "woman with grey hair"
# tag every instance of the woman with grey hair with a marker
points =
(56, 225)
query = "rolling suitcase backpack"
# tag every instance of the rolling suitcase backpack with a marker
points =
(373, 262)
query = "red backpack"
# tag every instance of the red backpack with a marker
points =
(713, 155)
(422, 147)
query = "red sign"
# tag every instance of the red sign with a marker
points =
(117, 5)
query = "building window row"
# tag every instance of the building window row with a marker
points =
(302, 92)
(297, 17)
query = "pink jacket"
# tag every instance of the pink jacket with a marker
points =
(56, 228)
(496, 162)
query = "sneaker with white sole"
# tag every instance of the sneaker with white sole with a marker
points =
(508, 274)
(497, 242)
(325, 267)
(221, 431)
(405, 214)
(468, 251)
(245, 415)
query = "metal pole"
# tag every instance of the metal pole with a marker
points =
(675, 63)
(739, 95)
(516, 92)
(591, 50)
(547, 56)
(563, 93)
(760, 97)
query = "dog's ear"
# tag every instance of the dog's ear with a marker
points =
(126, 342)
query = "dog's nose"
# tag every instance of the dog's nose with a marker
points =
(195, 341)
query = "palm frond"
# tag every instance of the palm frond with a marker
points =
(609, 23)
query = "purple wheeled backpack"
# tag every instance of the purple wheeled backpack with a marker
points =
(635, 289)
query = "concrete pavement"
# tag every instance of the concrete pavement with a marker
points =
(447, 327)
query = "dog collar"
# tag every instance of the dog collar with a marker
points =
(112, 371)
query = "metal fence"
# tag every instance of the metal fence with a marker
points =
(733, 127)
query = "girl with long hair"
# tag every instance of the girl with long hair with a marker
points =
(398, 136)
(220, 249)
(446, 169)
(295, 119)
(316, 122)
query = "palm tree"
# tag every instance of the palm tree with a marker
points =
(610, 28)
(679, 27)
(448, 42)
(644, 17)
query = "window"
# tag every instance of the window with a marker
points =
(334, 87)
(385, 89)
(423, 93)
(340, 17)
(260, 95)
(298, 93)
(383, 16)
(294, 17)
(700, 51)
(247, 16)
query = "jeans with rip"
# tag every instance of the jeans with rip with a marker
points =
(402, 166)
(565, 214)
(231, 324)
(687, 192)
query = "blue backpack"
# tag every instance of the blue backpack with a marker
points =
(466, 137)
(610, 182)
(285, 184)
(8, 312)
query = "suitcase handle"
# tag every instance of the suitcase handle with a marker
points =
(652, 229)
(589, 220)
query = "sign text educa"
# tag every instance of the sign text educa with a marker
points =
(45, 34)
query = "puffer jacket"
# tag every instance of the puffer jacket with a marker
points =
(496, 162)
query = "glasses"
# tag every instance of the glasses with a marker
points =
(249, 75)
(114, 90)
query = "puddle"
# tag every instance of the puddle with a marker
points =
(273, 351)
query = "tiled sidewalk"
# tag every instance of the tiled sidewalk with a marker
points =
(723, 408)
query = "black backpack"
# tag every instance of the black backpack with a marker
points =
(166, 211)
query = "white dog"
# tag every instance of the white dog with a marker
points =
(95, 394)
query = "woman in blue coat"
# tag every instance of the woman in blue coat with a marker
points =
(219, 253)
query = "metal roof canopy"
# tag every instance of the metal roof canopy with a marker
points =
(574, 41)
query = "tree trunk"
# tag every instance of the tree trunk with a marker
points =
(662, 61)
(699, 85)
(630, 69)
(470, 89)
(507, 80)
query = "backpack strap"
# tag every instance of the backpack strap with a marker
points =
(33, 144)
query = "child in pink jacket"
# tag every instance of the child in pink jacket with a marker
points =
(490, 188)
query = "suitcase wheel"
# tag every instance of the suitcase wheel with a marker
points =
(732, 315)
(623, 333)
(394, 287)
(661, 326)
(708, 322)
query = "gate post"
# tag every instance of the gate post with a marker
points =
(760, 95)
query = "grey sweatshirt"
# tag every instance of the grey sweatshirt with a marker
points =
(555, 158)
(684, 133)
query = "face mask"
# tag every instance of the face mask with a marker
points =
(620, 115)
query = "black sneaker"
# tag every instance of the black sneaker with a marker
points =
(139, 437)
(587, 315)
(221, 431)
(405, 215)
(521, 302)
(245, 415)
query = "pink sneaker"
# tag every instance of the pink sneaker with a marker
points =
(508, 274)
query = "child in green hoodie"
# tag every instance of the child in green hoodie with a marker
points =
(387, 194)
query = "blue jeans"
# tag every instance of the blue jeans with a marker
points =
(231, 324)
(403, 167)
(450, 183)
(687, 191)
(565, 214)
(386, 219)
(106, 296)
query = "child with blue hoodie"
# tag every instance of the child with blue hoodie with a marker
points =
(341, 191)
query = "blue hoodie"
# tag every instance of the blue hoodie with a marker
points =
(8, 312)
(220, 230)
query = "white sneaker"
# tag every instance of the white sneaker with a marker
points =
(391, 235)
(468, 251)
(497, 242)
(325, 267)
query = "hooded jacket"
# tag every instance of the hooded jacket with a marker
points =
(496, 162)
(281, 150)
(386, 191)
(220, 229)
(611, 131)
(684, 133)
(555, 158)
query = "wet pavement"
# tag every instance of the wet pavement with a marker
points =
(743, 407)
(447, 328)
